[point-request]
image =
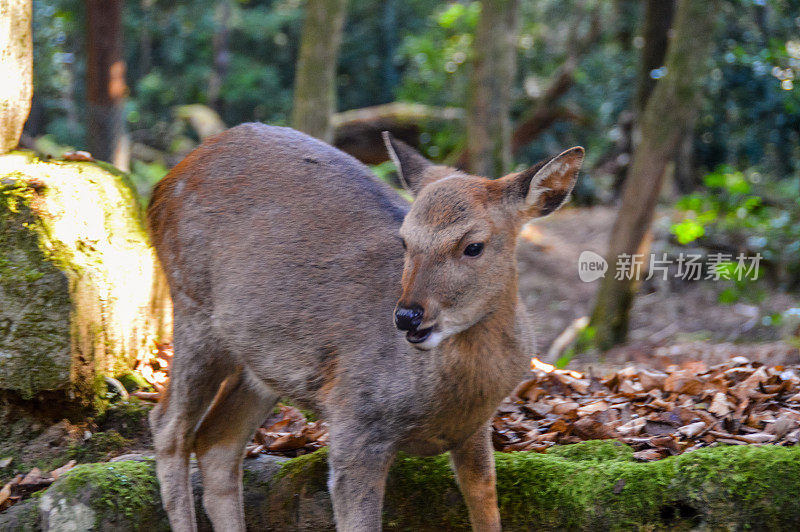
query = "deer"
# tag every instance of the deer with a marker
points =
(294, 272)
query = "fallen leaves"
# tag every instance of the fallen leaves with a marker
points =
(658, 413)
(288, 433)
(25, 484)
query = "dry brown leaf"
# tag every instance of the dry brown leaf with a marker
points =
(719, 405)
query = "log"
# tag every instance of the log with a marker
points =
(595, 485)
(358, 131)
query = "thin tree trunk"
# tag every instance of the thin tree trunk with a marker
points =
(146, 38)
(658, 16)
(315, 76)
(105, 83)
(219, 45)
(493, 71)
(671, 106)
(16, 63)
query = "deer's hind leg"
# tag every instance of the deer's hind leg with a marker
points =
(197, 371)
(242, 405)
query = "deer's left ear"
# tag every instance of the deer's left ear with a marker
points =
(543, 188)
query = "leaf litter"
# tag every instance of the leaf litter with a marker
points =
(659, 413)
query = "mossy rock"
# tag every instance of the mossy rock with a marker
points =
(590, 486)
(81, 294)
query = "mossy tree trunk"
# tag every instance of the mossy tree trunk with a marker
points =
(315, 77)
(105, 83)
(671, 106)
(16, 63)
(493, 71)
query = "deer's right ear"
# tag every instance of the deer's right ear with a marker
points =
(411, 165)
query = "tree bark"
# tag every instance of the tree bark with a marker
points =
(493, 71)
(105, 83)
(658, 16)
(672, 105)
(16, 63)
(315, 77)
(219, 45)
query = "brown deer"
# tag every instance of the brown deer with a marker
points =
(286, 263)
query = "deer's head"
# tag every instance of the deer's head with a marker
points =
(460, 238)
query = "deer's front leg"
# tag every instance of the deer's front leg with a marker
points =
(473, 463)
(357, 481)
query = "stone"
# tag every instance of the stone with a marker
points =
(81, 292)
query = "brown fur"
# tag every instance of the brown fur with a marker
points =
(285, 263)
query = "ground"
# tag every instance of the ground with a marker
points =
(664, 313)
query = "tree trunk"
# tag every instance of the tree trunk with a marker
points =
(219, 45)
(658, 15)
(493, 71)
(105, 83)
(146, 37)
(657, 22)
(315, 77)
(16, 63)
(671, 106)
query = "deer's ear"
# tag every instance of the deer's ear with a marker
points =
(411, 165)
(543, 188)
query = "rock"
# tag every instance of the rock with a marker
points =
(586, 486)
(81, 295)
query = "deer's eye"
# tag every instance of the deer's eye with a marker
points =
(473, 250)
(403, 240)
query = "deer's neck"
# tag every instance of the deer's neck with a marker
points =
(500, 338)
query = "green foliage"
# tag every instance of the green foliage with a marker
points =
(740, 209)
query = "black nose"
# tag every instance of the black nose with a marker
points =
(408, 318)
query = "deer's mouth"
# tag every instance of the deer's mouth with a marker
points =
(417, 336)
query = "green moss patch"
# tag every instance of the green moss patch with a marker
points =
(597, 485)
(123, 495)
(588, 486)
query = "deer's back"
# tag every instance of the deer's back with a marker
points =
(288, 246)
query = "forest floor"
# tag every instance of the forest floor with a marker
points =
(671, 321)
(676, 386)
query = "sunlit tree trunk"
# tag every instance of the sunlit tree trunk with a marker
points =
(105, 83)
(493, 71)
(315, 77)
(672, 104)
(16, 65)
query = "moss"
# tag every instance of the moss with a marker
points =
(121, 492)
(36, 309)
(412, 487)
(80, 292)
(133, 382)
(594, 450)
(128, 418)
(592, 485)
(310, 470)
(100, 446)
(589, 486)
